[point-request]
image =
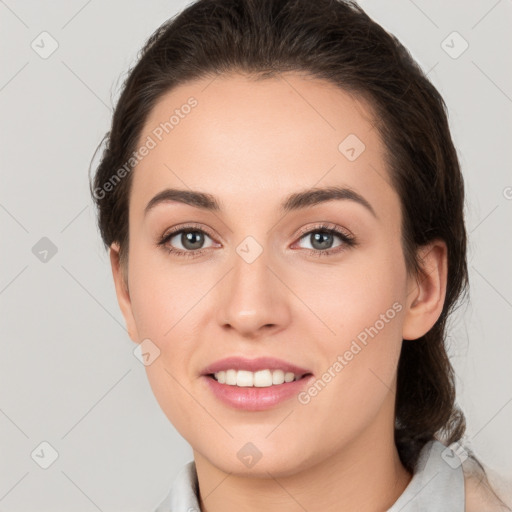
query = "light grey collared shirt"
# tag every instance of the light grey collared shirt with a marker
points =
(436, 486)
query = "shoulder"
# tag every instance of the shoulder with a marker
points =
(485, 491)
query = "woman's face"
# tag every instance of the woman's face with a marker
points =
(249, 280)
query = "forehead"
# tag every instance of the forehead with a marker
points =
(252, 142)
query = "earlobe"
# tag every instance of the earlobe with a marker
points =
(122, 292)
(427, 291)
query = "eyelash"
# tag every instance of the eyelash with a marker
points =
(326, 228)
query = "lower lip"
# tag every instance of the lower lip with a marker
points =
(254, 398)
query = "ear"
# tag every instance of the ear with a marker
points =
(426, 292)
(123, 295)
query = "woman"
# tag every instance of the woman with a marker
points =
(283, 206)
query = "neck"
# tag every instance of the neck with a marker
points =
(366, 475)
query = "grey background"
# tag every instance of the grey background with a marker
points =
(68, 373)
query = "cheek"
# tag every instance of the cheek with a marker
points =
(363, 293)
(166, 305)
(363, 308)
(163, 297)
(169, 389)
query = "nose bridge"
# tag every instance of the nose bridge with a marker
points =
(252, 297)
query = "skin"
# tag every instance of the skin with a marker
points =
(250, 144)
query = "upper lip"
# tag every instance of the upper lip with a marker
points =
(253, 365)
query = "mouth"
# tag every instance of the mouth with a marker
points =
(259, 379)
(255, 384)
(256, 391)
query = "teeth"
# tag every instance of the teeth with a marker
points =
(259, 379)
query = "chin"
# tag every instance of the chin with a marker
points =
(259, 459)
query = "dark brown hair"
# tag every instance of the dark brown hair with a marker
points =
(336, 41)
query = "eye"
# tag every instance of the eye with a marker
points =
(187, 241)
(321, 239)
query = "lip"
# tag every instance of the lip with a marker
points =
(254, 398)
(253, 365)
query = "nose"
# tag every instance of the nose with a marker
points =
(253, 299)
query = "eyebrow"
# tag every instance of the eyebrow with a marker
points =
(295, 201)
